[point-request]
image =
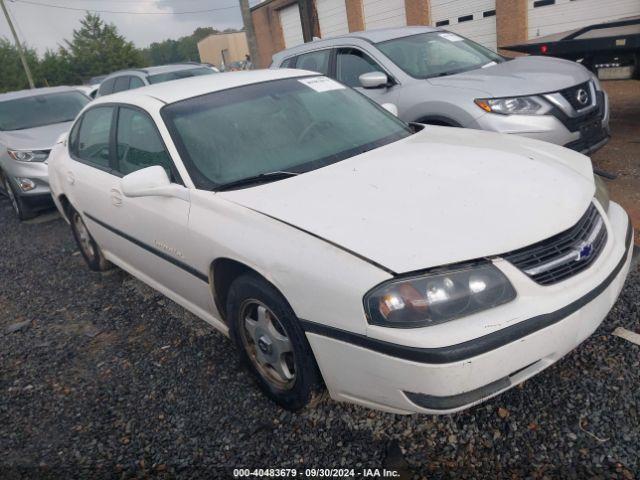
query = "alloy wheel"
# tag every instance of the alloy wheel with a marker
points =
(12, 196)
(84, 237)
(267, 344)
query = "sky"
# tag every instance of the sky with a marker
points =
(45, 28)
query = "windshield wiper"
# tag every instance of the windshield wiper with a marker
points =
(255, 180)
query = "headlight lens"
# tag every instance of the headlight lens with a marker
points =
(602, 192)
(439, 297)
(28, 155)
(514, 106)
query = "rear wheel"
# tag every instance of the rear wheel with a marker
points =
(272, 343)
(87, 245)
(19, 207)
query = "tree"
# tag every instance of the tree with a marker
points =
(12, 76)
(97, 49)
(54, 69)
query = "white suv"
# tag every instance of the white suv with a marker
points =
(407, 268)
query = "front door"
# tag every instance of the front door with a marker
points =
(353, 62)
(156, 228)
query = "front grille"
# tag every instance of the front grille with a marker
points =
(572, 96)
(565, 254)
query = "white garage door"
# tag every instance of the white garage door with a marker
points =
(474, 19)
(384, 13)
(291, 26)
(554, 16)
(332, 16)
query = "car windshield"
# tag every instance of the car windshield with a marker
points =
(40, 110)
(437, 54)
(290, 125)
(178, 74)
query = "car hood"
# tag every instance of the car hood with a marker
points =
(441, 196)
(39, 138)
(520, 76)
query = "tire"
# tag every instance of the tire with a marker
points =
(19, 207)
(87, 245)
(289, 378)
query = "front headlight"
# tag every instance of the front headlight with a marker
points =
(514, 106)
(28, 155)
(438, 297)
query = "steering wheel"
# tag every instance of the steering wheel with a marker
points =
(309, 129)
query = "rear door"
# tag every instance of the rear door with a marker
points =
(89, 174)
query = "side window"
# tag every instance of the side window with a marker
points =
(135, 83)
(315, 61)
(106, 87)
(72, 143)
(93, 137)
(122, 83)
(351, 63)
(138, 143)
(288, 63)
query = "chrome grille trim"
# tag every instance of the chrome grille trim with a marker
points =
(564, 255)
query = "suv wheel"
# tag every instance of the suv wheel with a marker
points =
(272, 343)
(87, 245)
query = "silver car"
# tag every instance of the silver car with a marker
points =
(437, 77)
(31, 121)
(140, 77)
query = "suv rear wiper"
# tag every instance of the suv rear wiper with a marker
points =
(255, 179)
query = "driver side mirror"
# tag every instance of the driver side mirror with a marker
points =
(152, 182)
(374, 80)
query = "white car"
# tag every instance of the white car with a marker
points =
(408, 268)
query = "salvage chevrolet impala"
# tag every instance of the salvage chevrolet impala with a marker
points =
(407, 268)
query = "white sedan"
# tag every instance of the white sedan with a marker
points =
(407, 268)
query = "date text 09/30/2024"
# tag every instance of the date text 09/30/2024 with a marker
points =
(315, 473)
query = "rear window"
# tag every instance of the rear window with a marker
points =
(40, 110)
(178, 74)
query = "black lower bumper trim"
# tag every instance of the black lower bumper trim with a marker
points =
(41, 201)
(433, 402)
(477, 346)
(589, 145)
(455, 401)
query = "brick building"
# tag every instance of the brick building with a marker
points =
(281, 24)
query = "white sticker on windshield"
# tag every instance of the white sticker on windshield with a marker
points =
(451, 37)
(322, 84)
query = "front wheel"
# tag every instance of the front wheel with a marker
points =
(272, 343)
(19, 207)
(88, 246)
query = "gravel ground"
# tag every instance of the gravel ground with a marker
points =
(103, 378)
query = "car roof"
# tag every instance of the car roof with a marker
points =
(372, 36)
(155, 70)
(34, 92)
(170, 92)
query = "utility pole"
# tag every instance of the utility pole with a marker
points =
(250, 32)
(25, 65)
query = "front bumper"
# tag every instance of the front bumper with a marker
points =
(37, 172)
(585, 134)
(407, 379)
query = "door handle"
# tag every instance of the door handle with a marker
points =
(116, 197)
(71, 179)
